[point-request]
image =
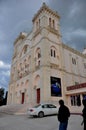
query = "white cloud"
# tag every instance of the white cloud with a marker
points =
(2, 86)
(79, 32)
(4, 65)
(2, 81)
(74, 33)
(74, 9)
(6, 73)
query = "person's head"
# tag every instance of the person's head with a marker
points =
(61, 102)
(84, 102)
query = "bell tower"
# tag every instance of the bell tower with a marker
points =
(46, 18)
(46, 36)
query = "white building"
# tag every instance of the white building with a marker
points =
(41, 61)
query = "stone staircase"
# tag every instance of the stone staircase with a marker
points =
(14, 109)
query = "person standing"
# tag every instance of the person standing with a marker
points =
(63, 115)
(84, 113)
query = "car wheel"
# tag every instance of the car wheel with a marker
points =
(41, 114)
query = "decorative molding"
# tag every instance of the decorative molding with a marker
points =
(45, 8)
(73, 50)
(54, 66)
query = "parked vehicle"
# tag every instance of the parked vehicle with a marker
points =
(42, 110)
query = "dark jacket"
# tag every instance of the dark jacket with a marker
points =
(84, 113)
(63, 113)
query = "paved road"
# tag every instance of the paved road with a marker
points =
(22, 122)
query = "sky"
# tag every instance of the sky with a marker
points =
(16, 16)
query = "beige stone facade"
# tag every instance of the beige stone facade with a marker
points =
(40, 61)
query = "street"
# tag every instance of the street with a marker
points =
(23, 122)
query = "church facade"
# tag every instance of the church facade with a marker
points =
(43, 68)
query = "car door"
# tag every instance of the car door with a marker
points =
(46, 109)
(53, 109)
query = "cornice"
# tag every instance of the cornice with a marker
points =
(73, 50)
(70, 73)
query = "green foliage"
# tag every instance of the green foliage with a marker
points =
(1, 95)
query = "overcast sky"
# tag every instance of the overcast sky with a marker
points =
(16, 16)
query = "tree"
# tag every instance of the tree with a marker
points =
(5, 99)
(1, 96)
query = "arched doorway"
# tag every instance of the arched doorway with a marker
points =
(37, 84)
(38, 95)
(23, 96)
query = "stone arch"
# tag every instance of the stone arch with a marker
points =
(26, 83)
(24, 50)
(38, 53)
(37, 56)
(27, 91)
(37, 81)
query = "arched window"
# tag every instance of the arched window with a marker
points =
(53, 24)
(50, 22)
(38, 24)
(37, 81)
(38, 56)
(38, 53)
(53, 51)
(26, 83)
(74, 61)
(25, 48)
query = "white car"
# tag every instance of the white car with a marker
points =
(42, 110)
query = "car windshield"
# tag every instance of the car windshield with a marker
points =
(37, 106)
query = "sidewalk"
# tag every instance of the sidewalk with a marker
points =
(75, 121)
(23, 122)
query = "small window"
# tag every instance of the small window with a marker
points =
(39, 55)
(50, 22)
(39, 63)
(51, 52)
(84, 96)
(85, 65)
(54, 53)
(74, 61)
(37, 25)
(39, 22)
(53, 24)
(75, 100)
(25, 48)
(76, 83)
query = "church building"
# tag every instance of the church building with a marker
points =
(44, 69)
